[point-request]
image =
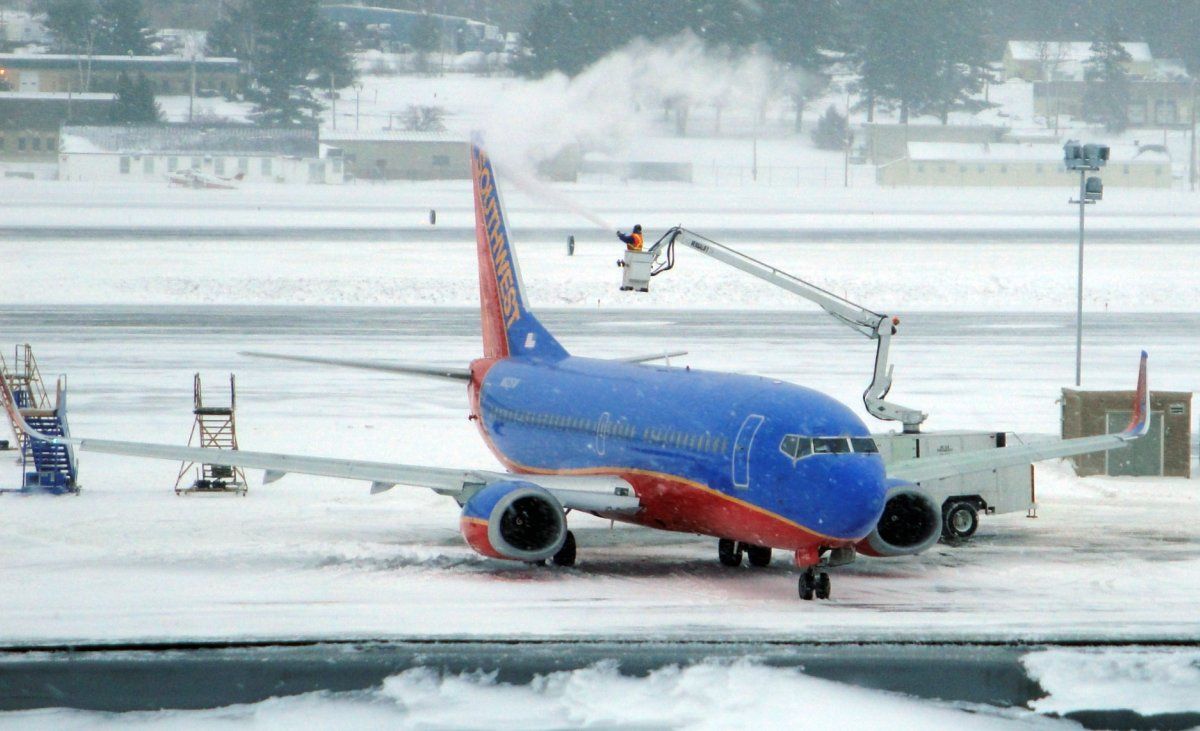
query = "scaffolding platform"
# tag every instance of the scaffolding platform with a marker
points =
(215, 427)
(46, 467)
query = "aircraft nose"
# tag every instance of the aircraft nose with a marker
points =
(846, 495)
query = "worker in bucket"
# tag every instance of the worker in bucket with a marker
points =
(633, 241)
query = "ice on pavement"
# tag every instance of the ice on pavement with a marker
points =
(707, 695)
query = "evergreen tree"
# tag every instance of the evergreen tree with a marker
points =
(799, 33)
(289, 52)
(926, 56)
(1106, 96)
(832, 132)
(893, 55)
(122, 28)
(960, 64)
(134, 102)
(73, 24)
(426, 38)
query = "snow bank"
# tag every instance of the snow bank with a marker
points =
(1147, 681)
(704, 696)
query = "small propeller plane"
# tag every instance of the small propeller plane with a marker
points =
(757, 463)
(193, 178)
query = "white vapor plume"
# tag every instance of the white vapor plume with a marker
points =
(619, 98)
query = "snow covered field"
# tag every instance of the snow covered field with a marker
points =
(131, 319)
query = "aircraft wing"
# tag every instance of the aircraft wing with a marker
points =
(412, 369)
(961, 463)
(593, 494)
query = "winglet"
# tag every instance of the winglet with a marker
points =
(1139, 425)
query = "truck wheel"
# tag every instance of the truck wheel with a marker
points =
(959, 522)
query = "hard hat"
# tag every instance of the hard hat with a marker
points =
(637, 228)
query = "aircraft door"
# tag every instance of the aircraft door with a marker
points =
(741, 450)
(603, 428)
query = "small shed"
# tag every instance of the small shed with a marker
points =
(1165, 450)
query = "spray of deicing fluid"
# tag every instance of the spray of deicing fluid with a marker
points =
(616, 103)
(535, 188)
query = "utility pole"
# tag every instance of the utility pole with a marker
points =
(333, 98)
(192, 95)
(1192, 144)
(358, 87)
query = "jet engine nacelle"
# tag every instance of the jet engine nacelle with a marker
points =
(911, 523)
(514, 520)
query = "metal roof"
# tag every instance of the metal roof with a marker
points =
(186, 139)
(34, 61)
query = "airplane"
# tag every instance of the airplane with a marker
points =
(755, 462)
(193, 178)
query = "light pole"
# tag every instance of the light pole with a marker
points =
(1084, 158)
(358, 87)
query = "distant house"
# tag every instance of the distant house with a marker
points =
(1050, 60)
(68, 73)
(1160, 90)
(1009, 164)
(385, 155)
(154, 152)
(29, 123)
(1156, 103)
(403, 155)
(883, 143)
(19, 28)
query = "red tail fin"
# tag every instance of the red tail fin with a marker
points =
(509, 328)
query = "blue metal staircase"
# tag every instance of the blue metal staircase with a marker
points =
(53, 464)
(46, 467)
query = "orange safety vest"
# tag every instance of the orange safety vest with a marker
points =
(637, 242)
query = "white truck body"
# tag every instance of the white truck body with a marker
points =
(1004, 490)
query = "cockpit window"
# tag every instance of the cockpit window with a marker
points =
(864, 445)
(798, 447)
(831, 445)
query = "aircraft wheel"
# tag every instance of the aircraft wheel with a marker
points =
(959, 522)
(729, 552)
(566, 554)
(808, 585)
(823, 585)
(759, 555)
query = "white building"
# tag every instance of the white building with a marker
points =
(238, 152)
(1057, 60)
(1011, 164)
(17, 26)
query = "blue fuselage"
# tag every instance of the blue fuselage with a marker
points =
(675, 429)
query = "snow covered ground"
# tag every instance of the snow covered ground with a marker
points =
(130, 318)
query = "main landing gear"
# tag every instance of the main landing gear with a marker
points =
(566, 554)
(730, 553)
(814, 583)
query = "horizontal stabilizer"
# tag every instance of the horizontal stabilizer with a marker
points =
(410, 369)
(652, 356)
